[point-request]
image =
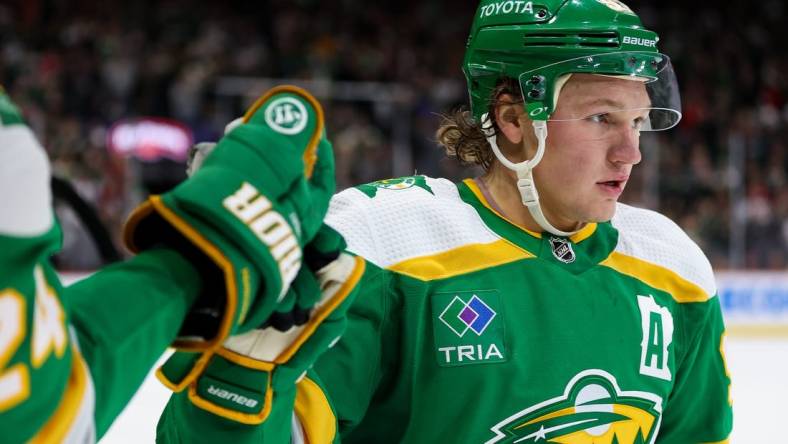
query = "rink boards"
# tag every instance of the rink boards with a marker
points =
(754, 303)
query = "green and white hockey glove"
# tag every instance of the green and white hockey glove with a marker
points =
(252, 371)
(244, 217)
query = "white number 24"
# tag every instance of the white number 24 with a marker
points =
(49, 334)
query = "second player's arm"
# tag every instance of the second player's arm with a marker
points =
(125, 316)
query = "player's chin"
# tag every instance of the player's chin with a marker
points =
(603, 211)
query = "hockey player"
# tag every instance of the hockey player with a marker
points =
(217, 257)
(525, 305)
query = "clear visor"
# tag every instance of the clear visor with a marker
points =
(613, 93)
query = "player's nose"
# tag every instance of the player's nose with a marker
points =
(626, 148)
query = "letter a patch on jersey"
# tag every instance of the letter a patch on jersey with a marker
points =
(657, 324)
(468, 328)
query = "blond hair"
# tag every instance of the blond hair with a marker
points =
(462, 136)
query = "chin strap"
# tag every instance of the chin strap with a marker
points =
(525, 178)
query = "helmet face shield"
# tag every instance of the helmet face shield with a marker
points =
(650, 103)
(611, 124)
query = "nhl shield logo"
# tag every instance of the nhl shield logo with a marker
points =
(562, 250)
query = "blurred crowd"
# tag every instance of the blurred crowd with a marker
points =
(77, 67)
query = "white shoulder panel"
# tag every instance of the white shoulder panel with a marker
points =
(652, 237)
(25, 196)
(402, 224)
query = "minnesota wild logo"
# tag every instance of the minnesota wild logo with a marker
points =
(402, 183)
(592, 410)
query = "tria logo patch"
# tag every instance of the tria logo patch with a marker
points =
(468, 328)
(592, 410)
(562, 250)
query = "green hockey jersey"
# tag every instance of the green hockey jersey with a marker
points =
(71, 358)
(471, 329)
(46, 393)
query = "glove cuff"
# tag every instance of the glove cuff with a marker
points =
(210, 256)
(235, 387)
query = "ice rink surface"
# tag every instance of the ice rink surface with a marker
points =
(759, 368)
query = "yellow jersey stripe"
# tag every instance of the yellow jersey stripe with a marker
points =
(461, 260)
(584, 233)
(60, 423)
(725, 366)
(661, 278)
(314, 413)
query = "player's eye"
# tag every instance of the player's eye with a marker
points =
(603, 118)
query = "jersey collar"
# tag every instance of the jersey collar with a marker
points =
(589, 246)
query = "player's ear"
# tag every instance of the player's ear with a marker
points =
(507, 117)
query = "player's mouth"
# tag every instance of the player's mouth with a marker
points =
(614, 187)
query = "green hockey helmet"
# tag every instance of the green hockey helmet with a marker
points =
(541, 42)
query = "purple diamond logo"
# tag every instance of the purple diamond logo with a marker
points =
(468, 316)
(461, 316)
